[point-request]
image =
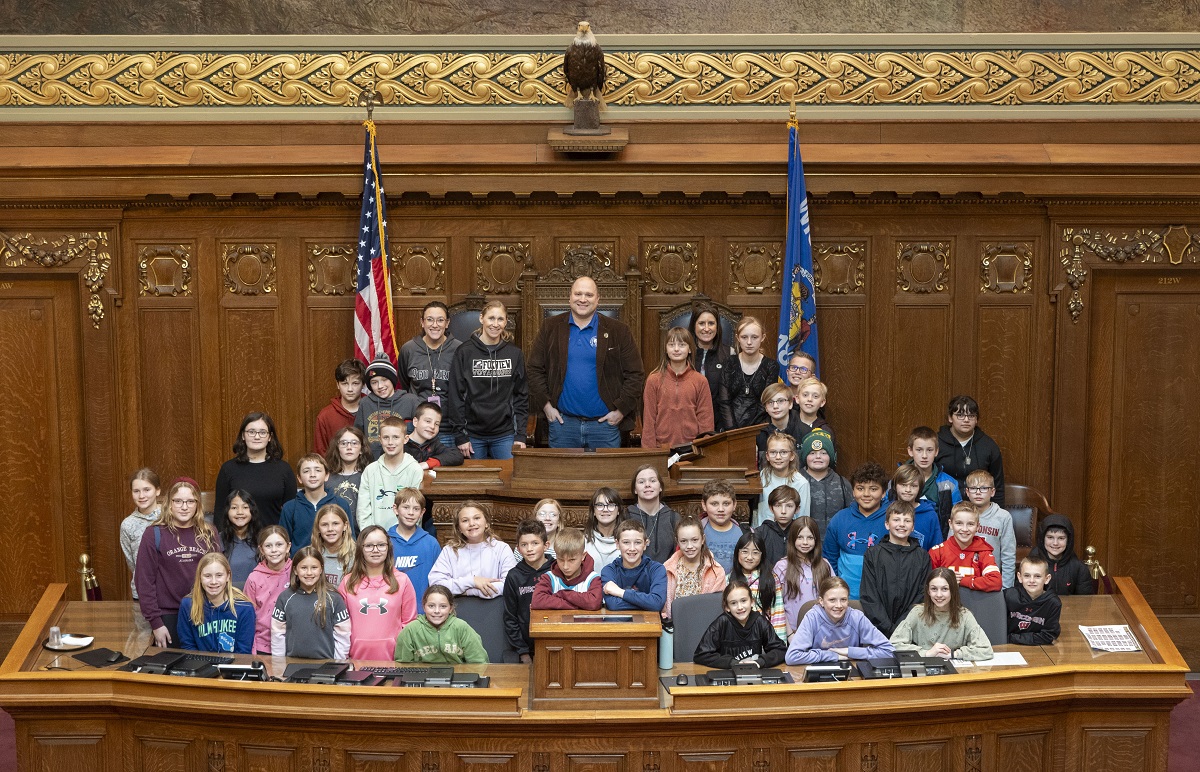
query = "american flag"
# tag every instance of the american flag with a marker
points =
(373, 322)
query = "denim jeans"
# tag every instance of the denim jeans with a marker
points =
(590, 433)
(499, 448)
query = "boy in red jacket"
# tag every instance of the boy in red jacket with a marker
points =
(572, 582)
(967, 554)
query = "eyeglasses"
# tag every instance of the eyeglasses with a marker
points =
(432, 322)
(779, 453)
(749, 551)
(257, 433)
(966, 415)
(183, 503)
(605, 505)
(348, 443)
(550, 513)
(799, 369)
(778, 401)
(374, 547)
(980, 490)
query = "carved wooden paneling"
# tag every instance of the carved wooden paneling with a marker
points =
(498, 265)
(493, 762)
(839, 267)
(1115, 750)
(814, 759)
(755, 266)
(164, 753)
(704, 761)
(249, 268)
(165, 270)
(1155, 369)
(670, 266)
(1006, 267)
(41, 426)
(55, 750)
(419, 267)
(55, 250)
(922, 756)
(918, 392)
(595, 258)
(268, 758)
(250, 365)
(331, 268)
(923, 267)
(1024, 752)
(842, 333)
(374, 761)
(1005, 381)
(169, 399)
(598, 762)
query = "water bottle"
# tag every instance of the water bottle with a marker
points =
(666, 646)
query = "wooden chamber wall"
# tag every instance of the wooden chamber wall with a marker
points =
(140, 335)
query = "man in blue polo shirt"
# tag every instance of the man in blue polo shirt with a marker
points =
(585, 374)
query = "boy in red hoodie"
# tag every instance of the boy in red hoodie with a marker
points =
(572, 582)
(341, 409)
(967, 553)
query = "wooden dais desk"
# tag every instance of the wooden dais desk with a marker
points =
(589, 665)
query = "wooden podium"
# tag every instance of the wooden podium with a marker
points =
(510, 488)
(596, 664)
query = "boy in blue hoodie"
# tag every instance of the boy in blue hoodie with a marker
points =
(299, 514)
(414, 548)
(906, 487)
(633, 582)
(937, 487)
(855, 529)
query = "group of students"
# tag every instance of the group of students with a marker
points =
(789, 585)
(331, 557)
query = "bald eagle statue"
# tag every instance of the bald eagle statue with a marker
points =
(583, 66)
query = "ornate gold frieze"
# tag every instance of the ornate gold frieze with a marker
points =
(636, 78)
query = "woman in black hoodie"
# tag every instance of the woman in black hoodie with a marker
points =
(489, 398)
(1068, 574)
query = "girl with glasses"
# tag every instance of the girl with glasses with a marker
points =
(167, 559)
(600, 537)
(380, 597)
(782, 468)
(258, 468)
(347, 457)
(427, 361)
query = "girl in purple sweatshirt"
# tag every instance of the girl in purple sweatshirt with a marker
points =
(267, 580)
(831, 630)
(474, 561)
(167, 559)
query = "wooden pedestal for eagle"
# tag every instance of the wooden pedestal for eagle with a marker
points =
(583, 66)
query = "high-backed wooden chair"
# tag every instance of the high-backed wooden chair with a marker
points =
(549, 295)
(681, 316)
(464, 315)
(1027, 507)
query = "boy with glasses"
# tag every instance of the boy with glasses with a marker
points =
(963, 447)
(995, 525)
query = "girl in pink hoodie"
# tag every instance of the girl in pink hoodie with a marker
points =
(267, 580)
(380, 597)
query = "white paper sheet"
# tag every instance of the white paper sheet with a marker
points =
(1014, 658)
